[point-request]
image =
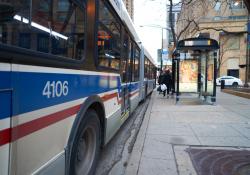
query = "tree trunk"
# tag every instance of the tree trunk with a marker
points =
(172, 22)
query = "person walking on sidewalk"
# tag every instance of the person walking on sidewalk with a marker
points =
(167, 80)
(160, 82)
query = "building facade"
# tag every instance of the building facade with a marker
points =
(223, 21)
(130, 7)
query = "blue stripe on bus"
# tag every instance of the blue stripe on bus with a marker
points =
(28, 89)
(4, 80)
(5, 104)
(133, 86)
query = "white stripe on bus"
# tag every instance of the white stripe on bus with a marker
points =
(4, 123)
(4, 159)
(40, 69)
(5, 67)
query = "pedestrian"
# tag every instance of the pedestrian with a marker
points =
(160, 78)
(160, 82)
(167, 80)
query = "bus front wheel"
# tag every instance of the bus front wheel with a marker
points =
(86, 146)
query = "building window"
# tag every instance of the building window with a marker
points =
(37, 27)
(237, 4)
(109, 38)
(232, 43)
(217, 6)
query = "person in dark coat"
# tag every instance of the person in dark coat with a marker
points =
(160, 82)
(160, 78)
(167, 80)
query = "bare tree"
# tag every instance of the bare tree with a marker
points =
(191, 20)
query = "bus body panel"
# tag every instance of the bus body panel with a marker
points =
(43, 117)
(113, 123)
(142, 85)
(43, 104)
(133, 95)
(55, 166)
(5, 114)
(150, 86)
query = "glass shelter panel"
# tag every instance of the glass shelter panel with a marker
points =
(188, 75)
(210, 74)
(203, 73)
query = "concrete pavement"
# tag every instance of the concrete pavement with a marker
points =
(169, 129)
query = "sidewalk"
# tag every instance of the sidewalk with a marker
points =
(169, 130)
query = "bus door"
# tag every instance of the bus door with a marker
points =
(5, 114)
(124, 92)
(124, 76)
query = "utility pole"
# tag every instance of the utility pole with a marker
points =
(247, 52)
(161, 49)
(162, 29)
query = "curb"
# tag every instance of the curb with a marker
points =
(237, 93)
(134, 160)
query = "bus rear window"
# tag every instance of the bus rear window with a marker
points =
(54, 27)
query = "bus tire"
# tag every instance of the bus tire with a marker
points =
(86, 145)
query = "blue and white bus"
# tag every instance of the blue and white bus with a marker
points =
(71, 73)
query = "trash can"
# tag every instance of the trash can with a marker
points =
(222, 84)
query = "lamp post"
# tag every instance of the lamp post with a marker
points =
(247, 53)
(162, 28)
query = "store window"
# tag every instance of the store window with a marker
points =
(109, 38)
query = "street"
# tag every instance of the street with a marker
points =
(114, 156)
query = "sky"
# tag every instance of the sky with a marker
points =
(150, 13)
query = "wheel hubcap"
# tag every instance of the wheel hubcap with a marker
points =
(85, 151)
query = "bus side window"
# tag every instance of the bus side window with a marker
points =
(109, 38)
(54, 27)
(136, 63)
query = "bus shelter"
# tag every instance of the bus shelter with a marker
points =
(195, 69)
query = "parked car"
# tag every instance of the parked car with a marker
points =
(229, 81)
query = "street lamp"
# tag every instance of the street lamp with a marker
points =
(247, 52)
(162, 28)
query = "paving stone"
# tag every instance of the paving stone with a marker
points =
(207, 117)
(157, 149)
(225, 141)
(149, 166)
(173, 129)
(244, 129)
(175, 140)
(184, 163)
(214, 130)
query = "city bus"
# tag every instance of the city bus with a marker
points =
(71, 73)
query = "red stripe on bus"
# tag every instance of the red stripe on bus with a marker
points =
(132, 94)
(5, 136)
(15, 133)
(109, 96)
(37, 124)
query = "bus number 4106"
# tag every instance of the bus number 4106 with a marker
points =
(54, 89)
